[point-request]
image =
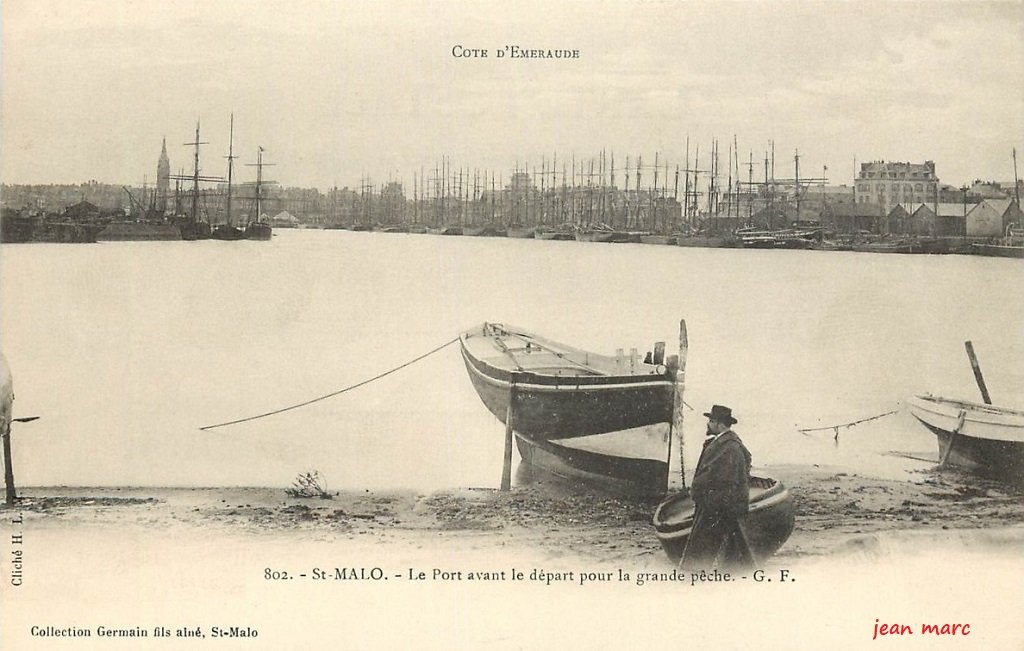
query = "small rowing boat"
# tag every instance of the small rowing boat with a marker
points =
(767, 525)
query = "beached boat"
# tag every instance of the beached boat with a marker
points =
(574, 413)
(998, 250)
(767, 525)
(562, 234)
(980, 437)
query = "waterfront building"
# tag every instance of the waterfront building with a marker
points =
(859, 217)
(942, 219)
(891, 183)
(992, 217)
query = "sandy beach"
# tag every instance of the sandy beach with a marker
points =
(462, 568)
(838, 512)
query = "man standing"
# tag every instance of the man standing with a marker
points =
(720, 493)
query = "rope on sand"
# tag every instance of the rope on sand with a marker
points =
(836, 428)
(333, 393)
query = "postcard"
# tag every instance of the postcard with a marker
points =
(513, 325)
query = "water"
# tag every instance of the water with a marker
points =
(125, 349)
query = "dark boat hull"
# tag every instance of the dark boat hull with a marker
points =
(228, 233)
(767, 525)
(258, 231)
(547, 409)
(138, 232)
(562, 236)
(630, 475)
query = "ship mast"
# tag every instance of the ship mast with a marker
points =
(195, 176)
(231, 159)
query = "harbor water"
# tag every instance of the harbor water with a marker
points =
(126, 349)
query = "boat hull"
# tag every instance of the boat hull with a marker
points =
(767, 525)
(636, 475)
(138, 231)
(990, 440)
(562, 236)
(259, 231)
(575, 414)
(998, 250)
(554, 408)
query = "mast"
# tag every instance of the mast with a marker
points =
(1016, 181)
(195, 176)
(231, 160)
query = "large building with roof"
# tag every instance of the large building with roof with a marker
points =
(891, 183)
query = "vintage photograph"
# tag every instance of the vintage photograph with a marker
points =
(517, 325)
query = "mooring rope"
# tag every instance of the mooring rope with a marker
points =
(334, 393)
(836, 428)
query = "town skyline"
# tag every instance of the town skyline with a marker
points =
(338, 94)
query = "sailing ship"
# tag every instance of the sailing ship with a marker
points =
(258, 227)
(574, 413)
(191, 225)
(227, 230)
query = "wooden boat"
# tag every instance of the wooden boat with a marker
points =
(574, 413)
(595, 235)
(652, 238)
(521, 232)
(883, 246)
(227, 232)
(562, 234)
(706, 241)
(259, 230)
(998, 250)
(767, 525)
(980, 437)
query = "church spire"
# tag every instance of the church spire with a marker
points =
(163, 178)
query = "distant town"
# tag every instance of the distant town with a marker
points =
(636, 196)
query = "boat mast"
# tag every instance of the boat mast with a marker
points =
(195, 175)
(231, 159)
(1016, 180)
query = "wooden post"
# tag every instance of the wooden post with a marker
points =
(676, 428)
(12, 495)
(977, 372)
(506, 468)
(6, 418)
(952, 436)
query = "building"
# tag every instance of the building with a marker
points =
(163, 179)
(850, 218)
(992, 218)
(891, 183)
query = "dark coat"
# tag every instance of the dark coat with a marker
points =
(721, 493)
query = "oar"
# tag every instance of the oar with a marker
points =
(977, 372)
(962, 417)
(25, 419)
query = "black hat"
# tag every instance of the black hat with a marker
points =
(721, 414)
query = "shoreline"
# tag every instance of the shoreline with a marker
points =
(839, 514)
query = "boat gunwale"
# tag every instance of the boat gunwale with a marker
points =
(596, 379)
(774, 495)
(529, 380)
(932, 404)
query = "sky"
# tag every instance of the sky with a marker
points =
(341, 92)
